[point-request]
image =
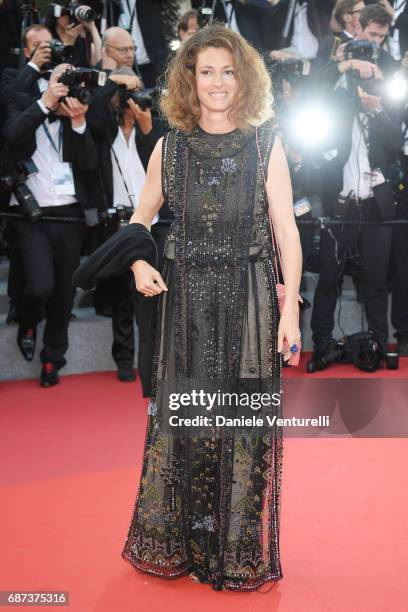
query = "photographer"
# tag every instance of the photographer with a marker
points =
(125, 136)
(52, 134)
(37, 52)
(82, 34)
(374, 27)
(357, 187)
(347, 14)
(307, 25)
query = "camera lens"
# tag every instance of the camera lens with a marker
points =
(28, 203)
(84, 13)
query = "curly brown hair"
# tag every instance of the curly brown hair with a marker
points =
(179, 101)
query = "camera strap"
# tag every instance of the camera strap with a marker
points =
(121, 174)
(132, 15)
(54, 146)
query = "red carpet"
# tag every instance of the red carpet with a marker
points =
(69, 472)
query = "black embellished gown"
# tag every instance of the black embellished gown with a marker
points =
(209, 497)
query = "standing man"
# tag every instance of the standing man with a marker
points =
(125, 136)
(52, 134)
(143, 20)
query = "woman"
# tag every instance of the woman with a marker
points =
(84, 36)
(208, 500)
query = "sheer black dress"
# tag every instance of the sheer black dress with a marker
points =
(209, 497)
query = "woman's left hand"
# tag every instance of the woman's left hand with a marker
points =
(72, 32)
(288, 332)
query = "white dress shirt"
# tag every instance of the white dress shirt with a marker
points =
(131, 171)
(45, 157)
(231, 18)
(393, 41)
(357, 171)
(303, 40)
(129, 8)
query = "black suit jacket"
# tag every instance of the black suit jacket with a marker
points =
(384, 137)
(15, 79)
(104, 128)
(253, 19)
(402, 25)
(325, 69)
(150, 19)
(24, 117)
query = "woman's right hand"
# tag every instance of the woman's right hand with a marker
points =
(148, 280)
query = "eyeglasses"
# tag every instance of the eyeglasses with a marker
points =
(123, 50)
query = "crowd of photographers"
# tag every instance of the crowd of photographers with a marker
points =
(79, 121)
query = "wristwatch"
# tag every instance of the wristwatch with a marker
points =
(375, 112)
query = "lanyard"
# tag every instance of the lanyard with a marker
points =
(231, 12)
(132, 15)
(54, 146)
(121, 174)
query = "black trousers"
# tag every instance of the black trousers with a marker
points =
(370, 247)
(128, 305)
(399, 275)
(50, 252)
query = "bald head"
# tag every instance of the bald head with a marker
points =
(118, 45)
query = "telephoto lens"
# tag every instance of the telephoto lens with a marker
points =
(28, 203)
(82, 12)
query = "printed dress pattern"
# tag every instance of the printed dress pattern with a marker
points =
(209, 497)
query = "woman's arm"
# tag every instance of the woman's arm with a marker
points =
(151, 198)
(96, 45)
(280, 199)
(148, 280)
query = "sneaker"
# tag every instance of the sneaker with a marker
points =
(126, 375)
(402, 347)
(49, 375)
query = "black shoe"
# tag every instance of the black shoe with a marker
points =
(402, 347)
(126, 375)
(49, 375)
(26, 338)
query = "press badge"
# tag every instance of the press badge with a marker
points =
(63, 179)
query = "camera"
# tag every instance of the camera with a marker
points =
(362, 50)
(61, 54)
(336, 351)
(76, 10)
(82, 82)
(204, 16)
(117, 217)
(288, 69)
(145, 98)
(14, 182)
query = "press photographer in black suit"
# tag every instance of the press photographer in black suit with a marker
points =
(374, 26)
(53, 134)
(37, 53)
(355, 174)
(125, 136)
